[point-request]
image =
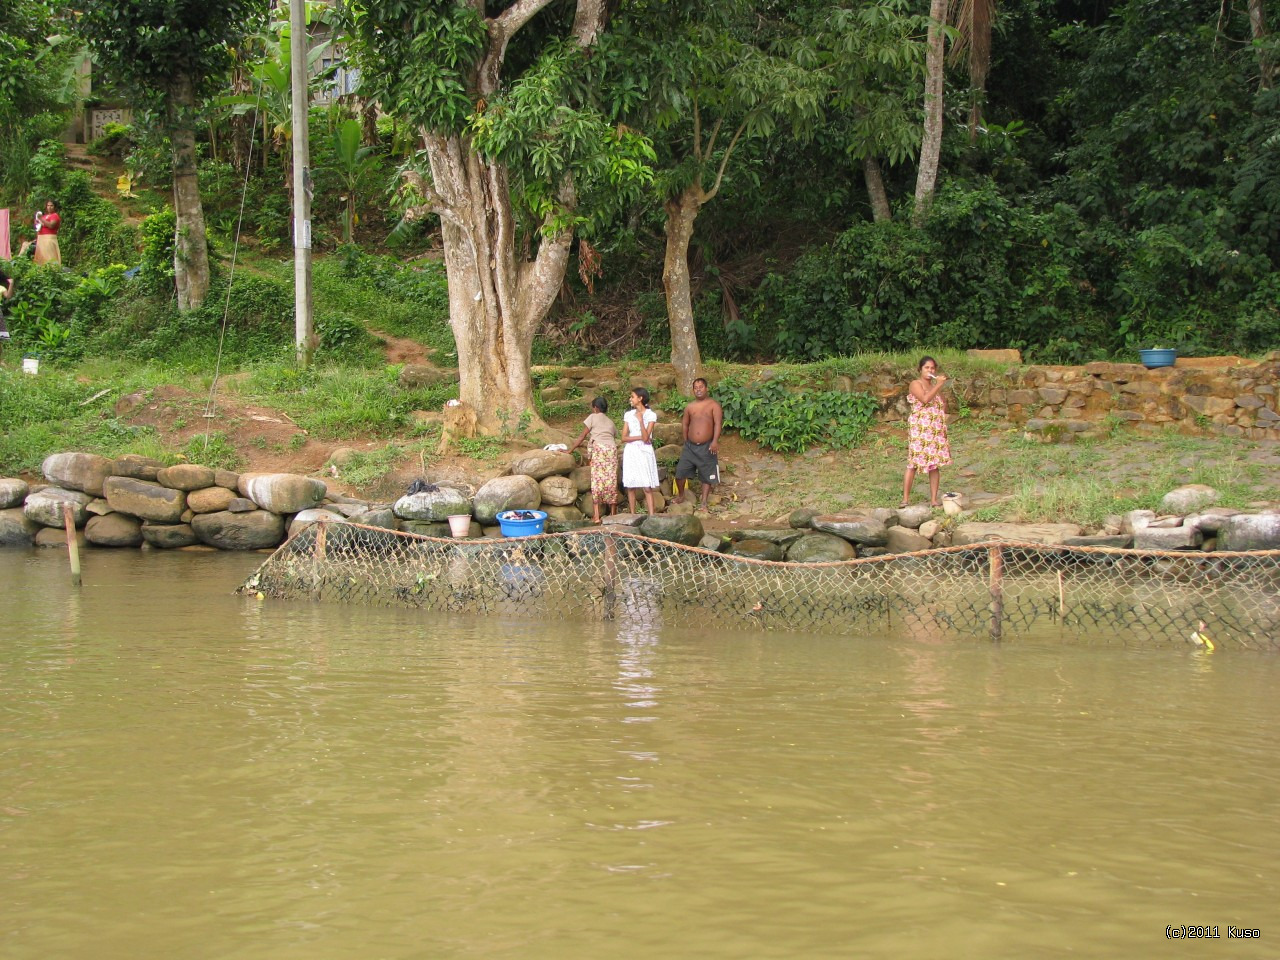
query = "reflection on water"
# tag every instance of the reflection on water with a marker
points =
(186, 773)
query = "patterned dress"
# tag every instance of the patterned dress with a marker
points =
(927, 446)
(603, 449)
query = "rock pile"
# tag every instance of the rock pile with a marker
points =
(139, 502)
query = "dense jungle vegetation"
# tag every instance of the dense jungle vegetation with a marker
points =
(1108, 179)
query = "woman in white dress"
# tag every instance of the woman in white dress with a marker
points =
(639, 465)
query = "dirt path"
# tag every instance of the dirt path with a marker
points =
(404, 350)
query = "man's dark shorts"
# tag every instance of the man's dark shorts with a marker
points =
(698, 458)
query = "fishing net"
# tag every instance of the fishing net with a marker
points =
(997, 589)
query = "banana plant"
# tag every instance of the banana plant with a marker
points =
(272, 77)
(352, 161)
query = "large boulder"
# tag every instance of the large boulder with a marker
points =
(210, 499)
(756, 549)
(114, 530)
(45, 506)
(282, 492)
(678, 529)
(169, 536)
(542, 463)
(1167, 537)
(905, 540)
(186, 476)
(558, 491)
(379, 516)
(783, 536)
(820, 548)
(144, 499)
(665, 434)
(581, 477)
(516, 492)
(239, 531)
(306, 518)
(137, 467)
(16, 528)
(1250, 531)
(77, 471)
(911, 517)
(802, 519)
(860, 528)
(13, 491)
(57, 537)
(1054, 533)
(1189, 499)
(434, 505)
(566, 513)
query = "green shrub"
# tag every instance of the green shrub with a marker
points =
(158, 232)
(790, 418)
(116, 141)
(981, 273)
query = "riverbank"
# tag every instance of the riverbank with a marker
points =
(1005, 471)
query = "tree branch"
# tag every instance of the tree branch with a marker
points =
(724, 161)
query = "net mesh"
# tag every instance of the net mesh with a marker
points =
(993, 589)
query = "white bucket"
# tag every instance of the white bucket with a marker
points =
(30, 364)
(460, 525)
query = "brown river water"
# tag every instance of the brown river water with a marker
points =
(186, 773)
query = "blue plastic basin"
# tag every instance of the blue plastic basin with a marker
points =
(1158, 358)
(512, 527)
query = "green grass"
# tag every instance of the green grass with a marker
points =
(367, 468)
(337, 401)
(60, 410)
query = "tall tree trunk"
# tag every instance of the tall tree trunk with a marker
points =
(682, 211)
(931, 142)
(880, 209)
(496, 298)
(191, 248)
(1258, 29)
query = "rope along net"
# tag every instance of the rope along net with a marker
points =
(994, 589)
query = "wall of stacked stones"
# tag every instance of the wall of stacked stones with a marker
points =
(1055, 402)
(137, 502)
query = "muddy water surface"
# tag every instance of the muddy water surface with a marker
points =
(187, 773)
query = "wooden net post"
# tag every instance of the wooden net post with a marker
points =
(996, 586)
(73, 548)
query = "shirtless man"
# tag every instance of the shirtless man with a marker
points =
(701, 424)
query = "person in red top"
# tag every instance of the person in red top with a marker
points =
(47, 225)
(6, 291)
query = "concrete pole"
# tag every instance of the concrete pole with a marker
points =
(304, 336)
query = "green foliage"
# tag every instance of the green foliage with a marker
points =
(51, 413)
(168, 53)
(981, 273)
(212, 450)
(116, 141)
(791, 419)
(417, 60)
(34, 97)
(354, 164)
(406, 300)
(487, 449)
(338, 401)
(344, 339)
(365, 468)
(156, 275)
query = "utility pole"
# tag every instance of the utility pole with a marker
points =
(304, 336)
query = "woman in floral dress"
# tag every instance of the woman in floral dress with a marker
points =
(927, 446)
(601, 437)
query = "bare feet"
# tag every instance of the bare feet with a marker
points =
(679, 499)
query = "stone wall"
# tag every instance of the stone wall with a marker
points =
(1229, 396)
